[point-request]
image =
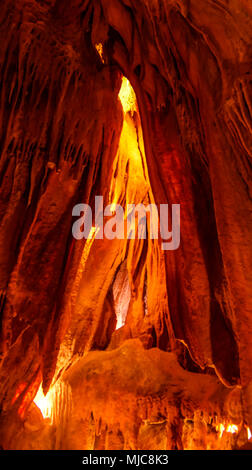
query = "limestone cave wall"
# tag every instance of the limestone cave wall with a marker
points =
(137, 347)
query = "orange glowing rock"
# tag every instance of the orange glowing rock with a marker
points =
(127, 96)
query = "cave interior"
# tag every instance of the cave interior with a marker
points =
(117, 343)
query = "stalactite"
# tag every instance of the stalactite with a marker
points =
(139, 102)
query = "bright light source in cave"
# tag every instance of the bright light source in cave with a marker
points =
(127, 96)
(249, 434)
(221, 429)
(44, 403)
(232, 428)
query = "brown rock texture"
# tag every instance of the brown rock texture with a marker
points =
(139, 348)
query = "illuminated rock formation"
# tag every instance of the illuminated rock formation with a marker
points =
(139, 102)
